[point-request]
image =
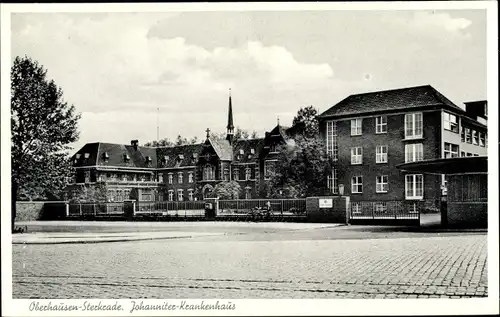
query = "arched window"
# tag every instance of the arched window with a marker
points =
(209, 172)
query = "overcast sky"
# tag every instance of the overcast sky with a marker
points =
(117, 69)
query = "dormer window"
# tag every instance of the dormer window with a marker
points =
(165, 159)
(78, 156)
(148, 159)
(195, 155)
(252, 151)
(86, 155)
(180, 157)
(126, 157)
(242, 152)
(105, 156)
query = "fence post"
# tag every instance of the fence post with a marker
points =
(347, 210)
(80, 208)
(67, 209)
(95, 211)
(133, 208)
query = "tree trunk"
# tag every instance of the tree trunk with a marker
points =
(13, 203)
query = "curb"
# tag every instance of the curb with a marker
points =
(100, 241)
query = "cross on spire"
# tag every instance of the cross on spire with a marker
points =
(208, 132)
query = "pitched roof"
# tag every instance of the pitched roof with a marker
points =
(110, 154)
(222, 148)
(246, 145)
(178, 156)
(387, 100)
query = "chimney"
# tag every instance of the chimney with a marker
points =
(135, 144)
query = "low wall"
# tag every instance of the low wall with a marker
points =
(40, 210)
(468, 214)
(334, 214)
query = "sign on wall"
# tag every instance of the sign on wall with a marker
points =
(325, 203)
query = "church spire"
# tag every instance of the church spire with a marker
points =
(230, 125)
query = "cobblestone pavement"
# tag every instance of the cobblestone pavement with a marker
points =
(436, 266)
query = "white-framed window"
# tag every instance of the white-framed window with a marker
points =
(450, 150)
(170, 195)
(356, 155)
(414, 186)
(475, 137)
(209, 172)
(180, 177)
(248, 173)
(160, 177)
(332, 181)
(382, 184)
(170, 178)
(226, 174)
(331, 140)
(462, 133)
(414, 152)
(468, 135)
(236, 174)
(180, 195)
(356, 126)
(413, 125)
(190, 177)
(381, 154)
(450, 122)
(357, 184)
(248, 193)
(462, 154)
(380, 207)
(355, 207)
(190, 194)
(252, 151)
(482, 139)
(381, 124)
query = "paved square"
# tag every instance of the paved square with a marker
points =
(259, 263)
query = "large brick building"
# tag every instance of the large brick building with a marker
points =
(187, 172)
(369, 134)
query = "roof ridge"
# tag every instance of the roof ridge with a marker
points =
(389, 90)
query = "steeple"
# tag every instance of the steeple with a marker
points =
(230, 126)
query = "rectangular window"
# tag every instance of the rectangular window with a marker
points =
(382, 184)
(469, 154)
(356, 155)
(481, 139)
(413, 125)
(268, 169)
(160, 177)
(331, 140)
(462, 154)
(170, 178)
(476, 154)
(462, 134)
(248, 173)
(180, 178)
(380, 207)
(381, 154)
(355, 207)
(191, 195)
(468, 135)
(356, 126)
(414, 152)
(450, 150)
(414, 186)
(357, 184)
(475, 137)
(170, 195)
(180, 195)
(450, 122)
(332, 181)
(190, 177)
(381, 124)
(236, 174)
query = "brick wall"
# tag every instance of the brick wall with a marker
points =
(336, 214)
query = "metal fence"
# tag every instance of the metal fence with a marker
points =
(277, 206)
(396, 209)
(95, 209)
(171, 208)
